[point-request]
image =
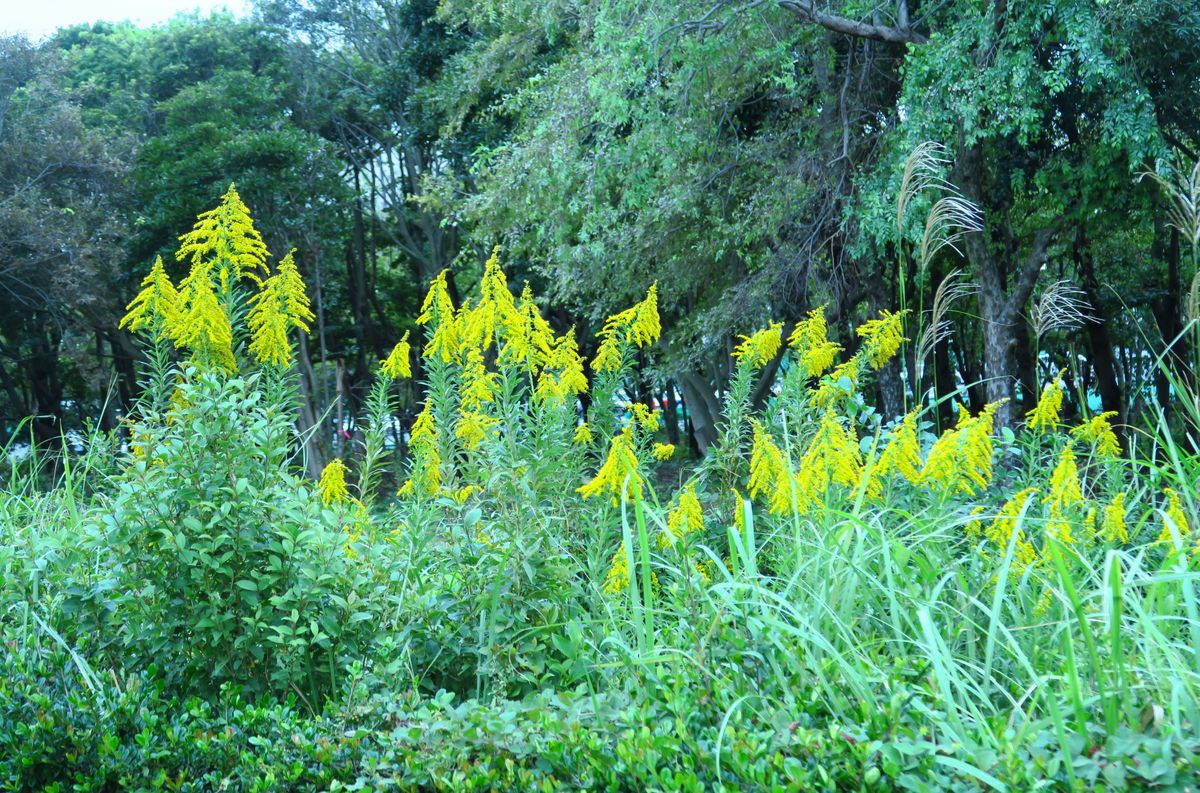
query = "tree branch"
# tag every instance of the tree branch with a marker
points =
(806, 10)
(1032, 266)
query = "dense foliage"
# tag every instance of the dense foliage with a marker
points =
(836, 430)
(548, 599)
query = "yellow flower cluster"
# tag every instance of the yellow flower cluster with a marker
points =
(225, 237)
(583, 434)
(837, 386)
(437, 311)
(639, 325)
(1000, 533)
(663, 451)
(1098, 433)
(1175, 522)
(426, 475)
(399, 362)
(1064, 482)
(1045, 415)
(332, 484)
(621, 464)
(281, 304)
(832, 457)
(902, 455)
(882, 337)
(758, 350)
(685, 518)
(961, 459)
(195, 317)
(1114, 520)
(814, 350)
(769, 472)
(156, 305)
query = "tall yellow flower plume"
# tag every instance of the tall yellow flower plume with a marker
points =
(495, 308)
(281, 304)
(399, 362)
(622, 462)
(757, 350)
(1064, 482)
(769, 472)
(1098, 433)
(1045, 415)
(1114, 520)
(1174, 518)
(1000, 533)
(814, 350)
(832, 457)
(225, 237)
(478, 384)
(332, 484)
(639, 325)
(961, 459)
(882, 337)
(838, 385)
(202, 325)
(902, 454)
(157, 305)
(437, 311)
(425, 477)
(685, 518)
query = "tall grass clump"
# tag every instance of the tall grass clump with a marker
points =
(542, 593)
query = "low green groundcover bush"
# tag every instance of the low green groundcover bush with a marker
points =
(64, 729)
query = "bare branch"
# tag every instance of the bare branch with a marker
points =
(807, 10)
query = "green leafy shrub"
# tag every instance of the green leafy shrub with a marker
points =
(225, 566)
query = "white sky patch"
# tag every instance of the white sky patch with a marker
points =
(39, 18)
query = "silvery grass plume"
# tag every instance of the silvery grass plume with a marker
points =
(1060, 306)
(952, 289)
(1183, 212)
(951, 216)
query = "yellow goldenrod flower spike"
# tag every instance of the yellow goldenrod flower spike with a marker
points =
(1045, 415)
(281, 304)
(618, 574)
(425, 476)
(769, 472)
(332, 484)
(157, 305)
(815, 351)
(478, 384)
(685, 518)
(437, 310)
(882, 337)
(621, 463)
(571, 378)
(496, 307)
(646, 418)
(1098, 433)
(583, 434)
(663, 451)
(1174, 518)
(902, 454)
(1064, 482)
(832, 457)
(1114, 520)
(225, 237)
(961, 459)
(202, 324)
(839, 384)
(760, 348)
(473, 427)
(1002, 528)
(638, 325)
(399, 362)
